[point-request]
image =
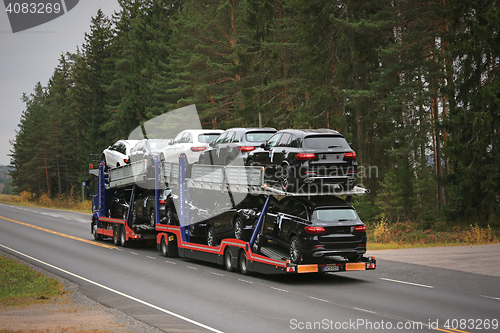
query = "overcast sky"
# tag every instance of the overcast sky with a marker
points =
(30, 56)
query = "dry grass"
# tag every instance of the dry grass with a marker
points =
(70, 202)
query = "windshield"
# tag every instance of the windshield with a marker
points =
(258, 136)
(334, 215)
(206, 138)
(325, 142)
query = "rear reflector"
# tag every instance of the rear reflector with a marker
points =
(350, 156)
(305, 156)
(198, 148)
(246, 148)
(162, 202)
(314, 230)
(360, 228)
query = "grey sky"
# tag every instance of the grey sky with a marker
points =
(30, 56)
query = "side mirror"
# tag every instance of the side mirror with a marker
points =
(211, 144)
(264, 145)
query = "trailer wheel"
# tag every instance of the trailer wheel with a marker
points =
(228, 260)
(238, 228)
(243, 263)
(97, 236)
(295, 250)
(116, 236)
(123, 237)
(164, 247)
(211, 240)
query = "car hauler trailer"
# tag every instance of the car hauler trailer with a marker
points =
(174, 240)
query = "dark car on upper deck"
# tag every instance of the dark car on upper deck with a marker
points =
(234, 145)
(308, 160)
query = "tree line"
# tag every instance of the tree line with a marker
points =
(413, 86)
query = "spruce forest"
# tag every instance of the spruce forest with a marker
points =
(414, 86)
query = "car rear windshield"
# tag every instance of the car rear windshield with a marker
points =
(258, 136)
(334, 215)
(206, 138)
(324, 142)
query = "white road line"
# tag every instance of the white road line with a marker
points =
(355, 308)
(496, 298)
(278, 289)
(119, 293)
(135, 254)
(245, 281)
(191, 267)
(319, 299)
(150, 257)
(170, 262)
(410, 283)
(216, 274)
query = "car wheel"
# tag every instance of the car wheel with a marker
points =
(169, 218)
(152, 219)
(116, 236)
(243, 263)
(228, 260)
(108, 212)
(134, 215)
(287, 181)
(123, 237)
(238, 228)
(97, 236)
(250, 163)
(124, 215)
(295, 250)
(352, 257)
(162, 158)
(103, 160)
(164, 247)
(211, 240)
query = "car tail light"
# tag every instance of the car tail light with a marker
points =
(360, 228)
(246, 148)
(125, 160)
(162, 202)
(350, 156)
(305, 156)
(314, 230)
(198, 148)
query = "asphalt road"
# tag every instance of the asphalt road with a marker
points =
(178, 295)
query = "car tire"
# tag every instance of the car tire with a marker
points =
(108, 213)
(243, 263)
(295, 250)
(116, 236)
(238, 228)
(228, 260)
(123, 237)
(134, 216)
(169, 217)
(164, 247)
(124, 215)
(152, 219)
(211, 239)
(287, 180)
(352, 257)
(103, 160)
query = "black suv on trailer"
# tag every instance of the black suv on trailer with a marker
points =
(317, 158)
(315, 228)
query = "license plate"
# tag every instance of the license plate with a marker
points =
(331, 268)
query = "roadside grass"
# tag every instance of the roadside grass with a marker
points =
(382, 235)
(70, 202)
(22, 286)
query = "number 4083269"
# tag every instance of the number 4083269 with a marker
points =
(33, 8)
